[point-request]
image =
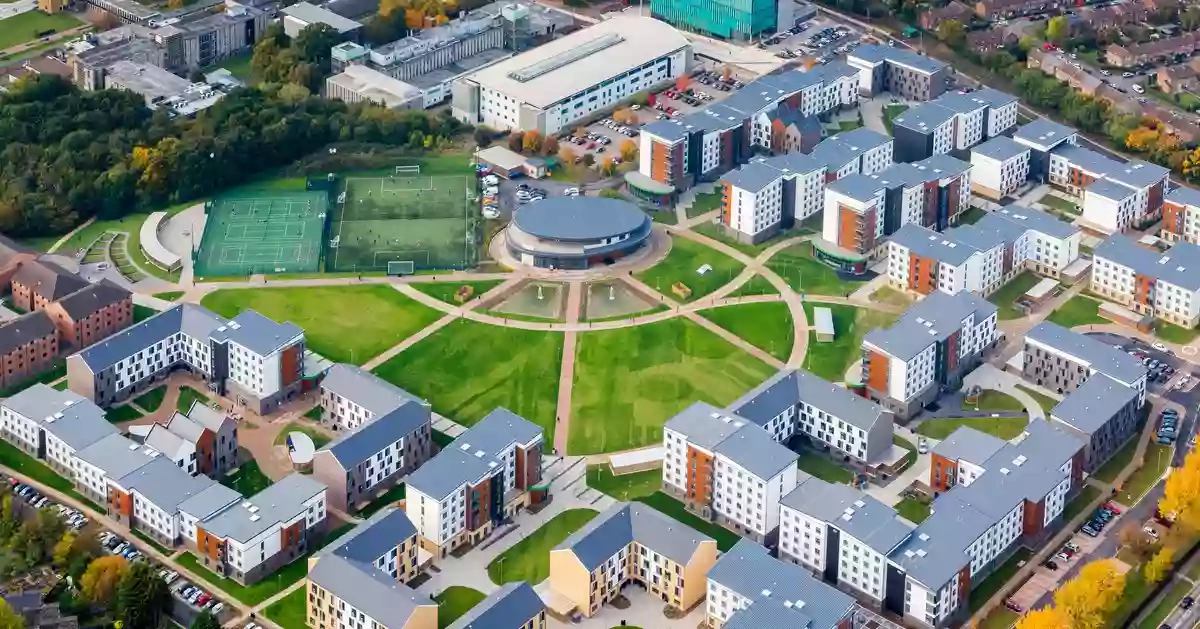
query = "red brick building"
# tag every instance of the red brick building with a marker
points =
(91, 314)
(28, 346)
(38, 283)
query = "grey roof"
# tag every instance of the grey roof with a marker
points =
(25, 329)
(1179, 265)
(1087, 159)
(924, 118)
(168, 443)
(1101, 357)
(449, 470)
(1089, 407)
(513, 605)
(838, 150)
(385, 600)
(497, 431)
(848, 509)
(365, 388)
(755, 451)
(579, 218)
(77, 422)
(207, 417)
(932, 319)
(48, 280)
(789, 163)
(1109, 190)
(1139, 174)
(257, 333)
(88, 300)
(901, 175)
(969, 445)
(1028, 218)
(627, 522)
(961, 103)
(1184, 196)
(370, 540)
(312, 14)
(190, 319)
(943, 166)
(116, 455)
(1001, 147)
(280, 502)
(1043, 132)
(792, 386)
(704, 425)
(856, 186)
(368, 439)
(753, 573)
(752, 177)
(875, 53)
(937, 548)
(210, 501)
(162, 483)
(929, 244)
(184, 427)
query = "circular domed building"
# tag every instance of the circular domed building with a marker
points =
(576, 232)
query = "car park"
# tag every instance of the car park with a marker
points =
(1051, 565)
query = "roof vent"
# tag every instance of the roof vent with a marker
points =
(921, 552)
(766, 592)
(50, 419)
(255, 518)
(247, 504)
(491, 464)
(1179, 268)
(787, 604)
(849, 511)
(715, 415)
(221, 329)
(924, 537)
(465, 447)
(58, 416)
(1019, 461)
(726, 419)
(479, 454)
(253, 509)
(1004, 470)
(847, 517)
(235, 325)
(133, 446)
(910, 554)
(153, 454)
(860, 504)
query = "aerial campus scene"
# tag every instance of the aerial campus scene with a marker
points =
(368, 314)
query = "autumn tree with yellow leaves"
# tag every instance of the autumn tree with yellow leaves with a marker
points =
(1085, 602)
(1181, 495)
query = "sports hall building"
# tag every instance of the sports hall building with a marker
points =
(576, 232)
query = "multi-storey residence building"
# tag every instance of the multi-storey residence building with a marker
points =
(727, 469)
(797, 403)
(931, 193)
(923, 131)
(12, 257)
(921, 260)
(706, 144)
(484, 476)
(953, 122)
(750, 589)
(860, 151)
(769, 194)
(28, 346)
(936, 343)
(371, 458)
(162, 500)
(1103, 413)
(39, 283)
(1032, 240)
(1061, 360)
(52, 425)
(255, 361)
(1181, 216)
(361, 582)
(352, 396)
(854, 214)
(1042, 136)
(906, 74)
(513, 606)
(204, 441)
(1090, 175)
(1162, 284)
(999, 167)
(91, 314)
(632, 543)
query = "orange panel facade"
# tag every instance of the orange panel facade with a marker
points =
(848, 224)
(291, 364)
(1174, 217)
(699, 476)
(120, 502)
(660, 167)
(877, 364)
(1143, 290)
(726, 203)
(291, 536)
(1035, 513)
(209, 545)
(922, 274)
(942, 472)
(206, 452)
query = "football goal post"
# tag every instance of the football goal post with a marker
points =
(408, 170)
(403, 267)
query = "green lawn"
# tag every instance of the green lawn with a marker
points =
(890, 112)
(1002, 427)
(987, 588)
(992, 400)
(389, 497)
(529, 559)
(1120, 459)
(913, 510)
(441, 439)
(766, 325)
(342, 323)
(1166, 604)
(455, 601)
(61, 385)
(681, 264)
(756, 285)
(446, 291)
(57, 371)
(823, 467)
(713, 230)
(999, 618)
(247, 480)
(1058, 203)
(289, 612)
(1172, 333)
(1010, 292)
(848, 125)
(630, 381)
(850, 324)
(1143, 478)
(150, 540)
(152, 399)
(1080, 502)
(319, 438)
(467, 369)
(675, 509)
(187, 396)
(170, 295)
(805, 274)
(120, 414)
(1048, 403)
(704, 203)
(666, 217)
(1078, 310)
(22, 463)
(141, 313)
(624, 487)
(238, 65)
(971, 216)
(26, 27)
(892, 297)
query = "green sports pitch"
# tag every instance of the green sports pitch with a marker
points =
(269, 231)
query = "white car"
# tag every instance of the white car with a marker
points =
(1106, 73)
(571, 191)
(1160, 347)
(1127, 75)
(1137, 87)
(490, 213)
(922, 445)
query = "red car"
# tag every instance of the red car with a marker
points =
(204, 598)
(1112, 507)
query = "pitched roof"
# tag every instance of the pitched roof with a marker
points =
(1000, 147)
(1109, 190)
(161, 482)
(87, 301)
(386, 601)
(930, 320)
(1028, 218)
(853, 511)
(1179, 265)
(753, 573)
(792, 386)
(969, 445)
(497, 431)
(168, 443)
(257, 333)
(364, 442)
(624, 523)
(449, 470)
(510, 606)
(1099, 356)
(365, 388)
(376, 537)
(937, 548)
(929, 244)
(943, 166)
(751, 448)
(74, 420)
(48, 280)
(752, 177)
(1089, 407)
(25, 329)
(190, 319)
(116, 455)
(843, 148)
(280, 502)
(210, 501)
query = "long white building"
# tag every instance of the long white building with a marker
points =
(771, 193)
(1162, 284)
(1115, 195)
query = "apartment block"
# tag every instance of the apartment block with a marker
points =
(769, 194)
(750, 589)
(52, 425)
(953, 122)
(923, 131)
(796, 403)
(1033, 240)
(854, 214)
(204, 441)
(708, 143)
(632, 543)
(256, 362)
(930, 349)
(1161, 284)
(1042, 136)
(1181, 216)
(12, 257)
(1000, 166)
(1092, 176)
(457, 497)
(362, 580)
(1103, 413)
(1061, 360)
(91, 314)
(28, 346)
(906, 74)
(158, 498)
(921, 260)
(39, 283)
(858, 151)
(370, 459)
(727, 469)
(513, 606)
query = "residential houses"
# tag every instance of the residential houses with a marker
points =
(1060, 68)
(932, 18)
(28, 346)
(1132, 55)
(1161, 284)
(1003, 9)
(203, 441)
(1177, 78)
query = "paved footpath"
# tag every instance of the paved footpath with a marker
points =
(566, 375)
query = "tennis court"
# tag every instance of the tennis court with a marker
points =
(272, 231)
(406, 218)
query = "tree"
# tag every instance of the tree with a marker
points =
(566, 155)
(609, 167)
(589, 159)
(550, 145)
(515, 141)
(1045, 618)
(1132, 536)
(103, 575)
(1087, 600)
(1159, 565)
(8, 618)
(1190, 19)
(1181, 493)
(483, 137)
(629, 150)
(609, 193)
(62, 550)
(293, 93)
(641, 99)
(1058, 29)
(953, 33)
(141, 597)
(682, 82)
(203, 620)
(532, 141)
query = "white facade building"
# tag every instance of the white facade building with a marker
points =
(999, 167)
(768, 193)
(854, 214)
(1096, 179)
(922, 260)
(1181, 216)
(1160, 284)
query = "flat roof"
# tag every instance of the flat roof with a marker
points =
(1044, 133)
(1042, 288)
(376, 86)
(559, 69)
(576, 219)
(824, 320)
(312, 14)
